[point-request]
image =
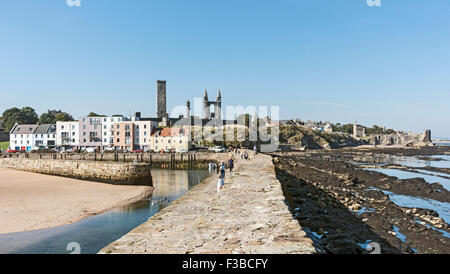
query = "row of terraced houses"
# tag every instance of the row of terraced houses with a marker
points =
(115, 132)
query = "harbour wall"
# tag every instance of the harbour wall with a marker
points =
(106, 172)
(198, 160)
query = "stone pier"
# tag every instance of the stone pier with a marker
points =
(249, 216)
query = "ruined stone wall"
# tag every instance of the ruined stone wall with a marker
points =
(402, 139)
(106, 172)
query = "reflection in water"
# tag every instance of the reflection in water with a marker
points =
(442, 161)
(442, 208)
(402, 174)
(96, 232)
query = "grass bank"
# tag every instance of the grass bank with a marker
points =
(4, 145)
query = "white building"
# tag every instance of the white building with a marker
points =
(21, 137)
(171, 139)
(67, 134)
(44, 136)
(108, 130)
(142, 133)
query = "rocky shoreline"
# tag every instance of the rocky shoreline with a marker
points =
(344, 207)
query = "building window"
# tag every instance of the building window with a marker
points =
(118, 140)
(127, 141)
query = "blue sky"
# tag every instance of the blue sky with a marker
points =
(337, 60)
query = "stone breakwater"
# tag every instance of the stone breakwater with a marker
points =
(249, 216)
(106, 172)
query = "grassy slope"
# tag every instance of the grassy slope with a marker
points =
(299, 135)
(4, 145)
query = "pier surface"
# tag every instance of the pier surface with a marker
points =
(249, 216)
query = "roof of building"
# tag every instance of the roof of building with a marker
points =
(24, 129)
(170, 131)
(44, 129)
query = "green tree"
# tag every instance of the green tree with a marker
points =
(93, 114)
(52, 116)
(25, 115)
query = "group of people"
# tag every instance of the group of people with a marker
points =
(230, 165)
(221, 176)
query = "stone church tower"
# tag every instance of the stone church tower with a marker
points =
(161, 102)
(207, 107)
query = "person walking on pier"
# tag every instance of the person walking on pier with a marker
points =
(231, 164)
(222, 169)
(220, 183)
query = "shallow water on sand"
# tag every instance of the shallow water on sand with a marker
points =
(442, 208)
(96, 232)
(402, 174)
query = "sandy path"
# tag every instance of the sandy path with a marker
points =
(30, 201)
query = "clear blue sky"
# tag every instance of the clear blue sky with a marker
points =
(337, 60)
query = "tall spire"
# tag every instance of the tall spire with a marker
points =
(219, 96)
(206, 94)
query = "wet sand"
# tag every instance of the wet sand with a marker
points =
(30, 201)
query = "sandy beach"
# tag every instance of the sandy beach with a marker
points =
(30, 201)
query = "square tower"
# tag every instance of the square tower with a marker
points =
(161, 102)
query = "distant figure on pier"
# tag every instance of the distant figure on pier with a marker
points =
(212, 166)
(231, 164)
(220, 183)
(246, 155)
(222, 169)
